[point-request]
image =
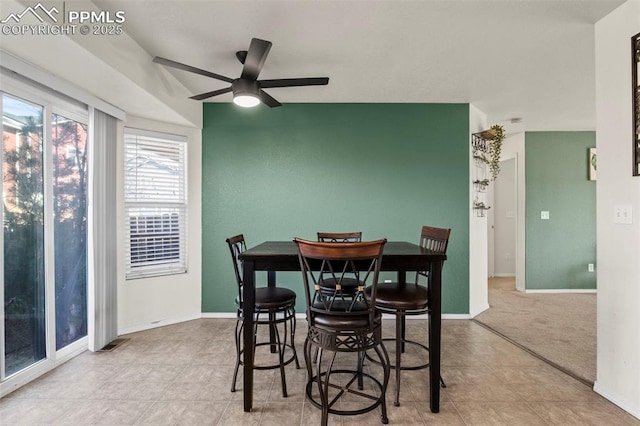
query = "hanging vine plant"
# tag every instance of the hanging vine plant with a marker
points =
(487, 147)
(495, 148)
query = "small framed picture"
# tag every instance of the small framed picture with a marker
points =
(635, 96)
(592, 164)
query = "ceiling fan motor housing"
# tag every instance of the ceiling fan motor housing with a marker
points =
(242, 87)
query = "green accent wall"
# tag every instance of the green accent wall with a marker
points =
(559, 249)
(383, 169)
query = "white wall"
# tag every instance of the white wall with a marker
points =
(513, 147)
(113, 68)
(118, 71)
(478, 271)
(149, 302)
(504, 209)
(618, 353)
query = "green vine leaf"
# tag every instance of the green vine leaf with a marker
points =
(495, 148)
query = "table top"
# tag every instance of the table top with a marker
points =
(397, 255)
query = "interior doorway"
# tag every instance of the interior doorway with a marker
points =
(503, 229)
(506, 218)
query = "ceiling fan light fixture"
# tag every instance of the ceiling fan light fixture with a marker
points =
(247, 90)
(245, 93)
(246, 101)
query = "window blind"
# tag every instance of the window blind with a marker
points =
(102, 300)
(155, 203)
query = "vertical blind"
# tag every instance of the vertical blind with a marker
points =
(155, 203)
(102, 291)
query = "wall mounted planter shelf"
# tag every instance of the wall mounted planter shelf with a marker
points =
(480, 148)
(480, 209)
(481, 185)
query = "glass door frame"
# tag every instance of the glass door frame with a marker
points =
(52, 104)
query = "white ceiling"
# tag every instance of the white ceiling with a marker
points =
(529, 59)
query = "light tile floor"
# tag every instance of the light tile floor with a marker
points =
(181, 375)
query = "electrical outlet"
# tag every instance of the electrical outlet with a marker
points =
(590, 267)
(623, 214)
(544, 215)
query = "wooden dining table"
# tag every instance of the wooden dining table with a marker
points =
(398, 256)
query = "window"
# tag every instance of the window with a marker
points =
(155, 203)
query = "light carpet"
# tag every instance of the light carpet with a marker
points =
(560, 328)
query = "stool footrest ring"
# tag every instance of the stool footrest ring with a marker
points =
(288, 361)
(402, 367)
(344, 390)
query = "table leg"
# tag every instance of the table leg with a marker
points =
(435, 325)
(271, 282)
(249, 302)
(402, 280)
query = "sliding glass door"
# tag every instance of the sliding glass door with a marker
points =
(23, 234)
(44, 262)
(69, 143)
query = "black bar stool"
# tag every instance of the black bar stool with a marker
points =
(341, 324)
(274, 306)
(402, 299)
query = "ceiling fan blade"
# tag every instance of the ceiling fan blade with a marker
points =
(290, 82)
(241, 55)
(178, 65)
(256, 55)
(211, 94)
(268, 100)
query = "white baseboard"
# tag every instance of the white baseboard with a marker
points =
(479, 311)
(504, 275)
(456, 316)
(223, 315)
(156, 324)
(425, 316)
(563, 290)
(302, 316)
(634, 411)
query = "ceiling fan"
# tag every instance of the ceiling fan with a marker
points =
(247, 90)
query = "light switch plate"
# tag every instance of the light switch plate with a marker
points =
(544, 215)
